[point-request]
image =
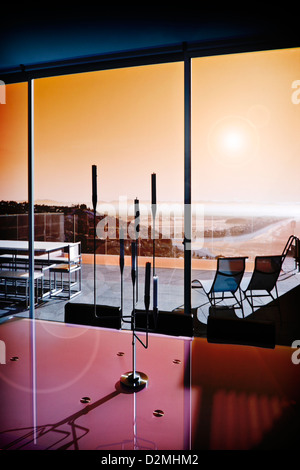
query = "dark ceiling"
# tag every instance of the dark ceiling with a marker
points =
(32, 36)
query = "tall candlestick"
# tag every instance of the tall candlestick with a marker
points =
(147, 286)
(153, 207)
(137, 229)
(155, 292)
(94, 186)
(134, 379)
(133, 262)
(94, 200)
(153, 189)
(155, 300)
(121, 237)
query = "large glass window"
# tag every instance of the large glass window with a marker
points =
(129, 123)
(245, 147)
(13, 144)
(13, 186)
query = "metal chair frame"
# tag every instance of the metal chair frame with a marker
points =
(72, 265)
(263, 280)
(216, 285)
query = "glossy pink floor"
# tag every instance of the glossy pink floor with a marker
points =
(65, 392)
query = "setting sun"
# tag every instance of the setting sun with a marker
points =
(233, 140)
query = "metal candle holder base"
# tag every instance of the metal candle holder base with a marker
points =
(135, 381)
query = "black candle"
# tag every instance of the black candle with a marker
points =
(155, 292)
(153, 180)
(94, 179)
(121, 237)
(147, 286)
(133, 261)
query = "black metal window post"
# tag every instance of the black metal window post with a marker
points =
(30, 85)
(187, 185)
(187, 242)
(31, 194)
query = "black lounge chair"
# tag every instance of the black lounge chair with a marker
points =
(227, 280)
(264, 279)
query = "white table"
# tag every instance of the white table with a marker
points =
(21, 246)
(15, 252)
(14, 248)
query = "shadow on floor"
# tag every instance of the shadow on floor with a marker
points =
(284, 312)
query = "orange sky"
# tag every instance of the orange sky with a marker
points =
(129, 122)
(246, 129)
(13, 144)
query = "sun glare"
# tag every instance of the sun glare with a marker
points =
(233, 139)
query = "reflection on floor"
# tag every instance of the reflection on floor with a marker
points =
(238, 397)
(171, 296)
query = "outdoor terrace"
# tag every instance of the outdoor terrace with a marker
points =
(171, 296)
